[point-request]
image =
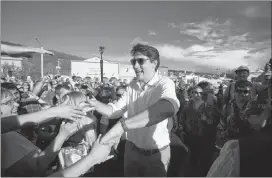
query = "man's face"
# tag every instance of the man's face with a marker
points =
(243, 93)
(16, 95)
(197, 94)
(242, 75)
(144, 68)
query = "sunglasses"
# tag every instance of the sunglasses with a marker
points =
(140, 61)
(243, 91)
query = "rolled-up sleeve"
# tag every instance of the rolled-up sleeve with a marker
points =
(169, 93)
(120, 105)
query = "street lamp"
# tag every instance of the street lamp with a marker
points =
(36, 38)
(58, 67)
(101, 50)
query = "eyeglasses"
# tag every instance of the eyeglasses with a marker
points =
(243, 91)
(140, 61)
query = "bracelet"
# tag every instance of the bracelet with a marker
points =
(124, 124)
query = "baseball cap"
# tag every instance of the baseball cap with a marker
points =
(242, 68)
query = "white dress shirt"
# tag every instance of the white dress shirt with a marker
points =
(136, 100)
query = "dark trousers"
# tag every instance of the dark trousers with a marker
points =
(201, 150)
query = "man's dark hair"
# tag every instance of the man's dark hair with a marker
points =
(148, 51)
(243, 84)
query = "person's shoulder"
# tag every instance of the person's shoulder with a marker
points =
(165, 80)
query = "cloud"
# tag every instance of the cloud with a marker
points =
(172, 25)
(261, 10)
(251, 12)
(138, 40)
(151, 33)
(207, 58)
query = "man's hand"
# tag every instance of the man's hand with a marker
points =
(114, 135)
(67, 111)
(100, 152)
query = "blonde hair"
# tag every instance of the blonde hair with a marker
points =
(75, 98)
(84, 124)
(5, 93)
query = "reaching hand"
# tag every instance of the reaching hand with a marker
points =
(100, 152)
(114, 135)
(67, 111)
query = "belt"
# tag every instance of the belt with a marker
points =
(149, 152)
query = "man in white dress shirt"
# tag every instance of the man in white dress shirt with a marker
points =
(150, 101)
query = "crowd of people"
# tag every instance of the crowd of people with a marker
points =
(150, 126)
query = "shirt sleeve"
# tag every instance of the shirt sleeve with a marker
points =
(120, 105)
(169, 93)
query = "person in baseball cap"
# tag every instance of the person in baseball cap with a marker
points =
(242, 73)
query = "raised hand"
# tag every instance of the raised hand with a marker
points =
(68, 112)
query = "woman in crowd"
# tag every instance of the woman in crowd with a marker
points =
(86, 135)
(19, 156)
(199, 123)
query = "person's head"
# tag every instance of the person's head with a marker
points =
(105, 80)
(69, 84)
(9, 73)
(74, 78)
(67, 80)
(242, 73)
(116, 83)
(84, 89)
(267, 78)
(8, 104)
(112, 80)
(145, 61)
(76, 98)
(26, 86)
(181, 85)
(13, 89)
(120, 91)
(243, 90)
(53, 83)
(197, 93)
(206, 87)
(77, 87)
(62, 90)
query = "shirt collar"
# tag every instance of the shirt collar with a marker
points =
(151, 82)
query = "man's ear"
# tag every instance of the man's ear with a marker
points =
(155, 62)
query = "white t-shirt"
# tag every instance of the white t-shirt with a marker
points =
(135, 100)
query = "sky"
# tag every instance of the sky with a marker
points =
(196, 36)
